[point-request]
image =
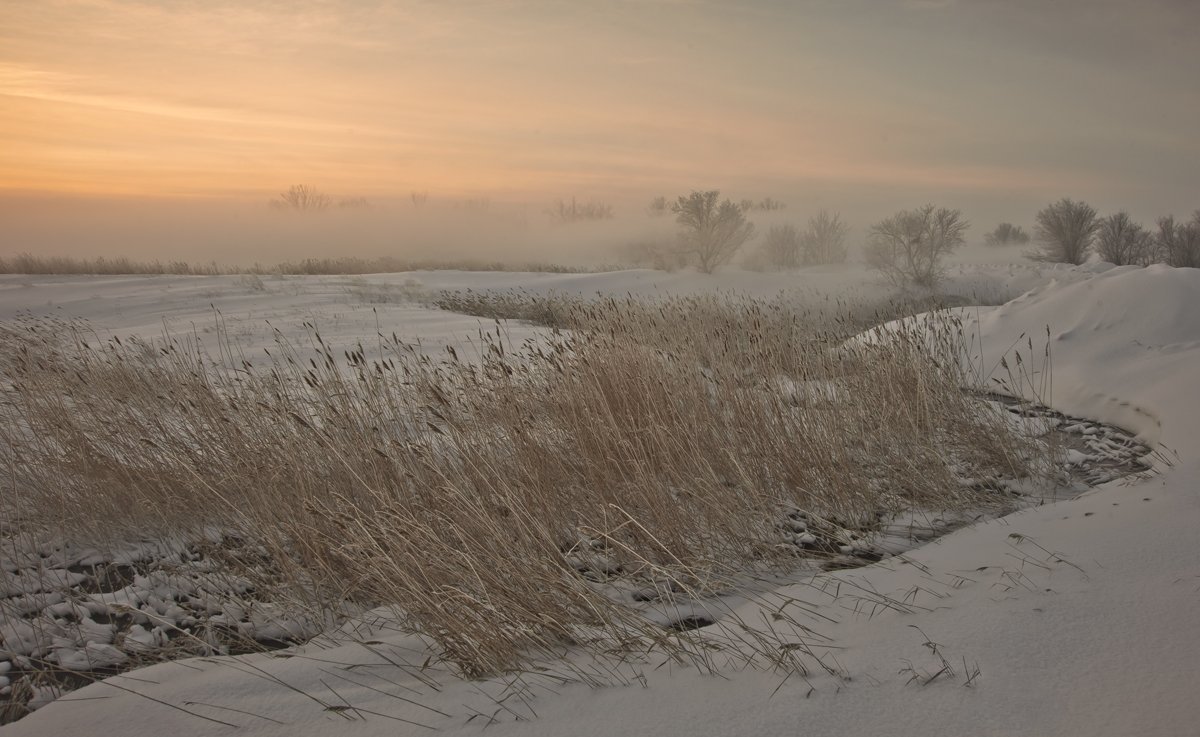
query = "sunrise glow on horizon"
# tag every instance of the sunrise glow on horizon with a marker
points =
(531, 99)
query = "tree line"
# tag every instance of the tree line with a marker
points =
(908, 248)
(1069, 232)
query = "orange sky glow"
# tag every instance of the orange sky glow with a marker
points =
(525, 99)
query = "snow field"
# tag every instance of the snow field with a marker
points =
(1068, 618)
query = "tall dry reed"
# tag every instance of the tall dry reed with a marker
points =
(486, 500)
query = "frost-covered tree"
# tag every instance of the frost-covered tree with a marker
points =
(713, 230)
(825, 239)
(1065, 230)
(1123, 242)
(909, 246)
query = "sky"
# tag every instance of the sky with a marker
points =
(865, 106)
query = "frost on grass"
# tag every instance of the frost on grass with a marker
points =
(610, 489)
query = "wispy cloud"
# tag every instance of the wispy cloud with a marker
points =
(536, 94)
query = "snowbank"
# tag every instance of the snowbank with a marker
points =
(1122, 347)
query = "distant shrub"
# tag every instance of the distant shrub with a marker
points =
(786, 247)
(1065, 230)
(302, 198)
(575, 211)
(1007, 234)
(1178, 244)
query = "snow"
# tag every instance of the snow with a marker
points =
(349, 309)
(92, 656)
(1073, 618)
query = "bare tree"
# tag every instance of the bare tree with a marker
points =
(909, 246)
(1178, 244)
(1123, 242)
(825, 239)
(781, 248)
(712, 230)
(1007, 234)
(302, 198)
(354, 203)
(573, 211)
(419, 198)
(1065, 230)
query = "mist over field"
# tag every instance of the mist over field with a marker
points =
(543, 367)
(157, 130)
(244, 233)
(235, 232)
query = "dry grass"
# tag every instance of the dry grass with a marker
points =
(657, 443)
(29, 264)
(777, 321)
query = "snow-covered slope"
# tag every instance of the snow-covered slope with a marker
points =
(1122, 343)
(1077, 618)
